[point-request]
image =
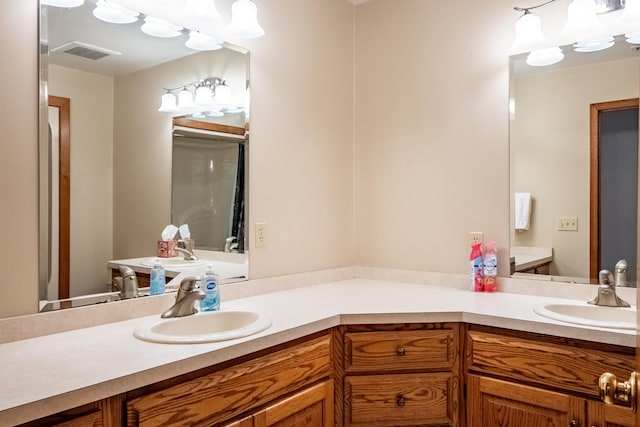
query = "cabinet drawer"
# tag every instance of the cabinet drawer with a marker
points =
(399, 350)
(227, 393)
(564, 367)
(399, 399)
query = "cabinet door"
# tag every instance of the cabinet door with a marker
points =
(495, 403)
(602, 415)
(312, 407)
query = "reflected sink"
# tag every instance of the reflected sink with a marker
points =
(590, 315)
(210, 326)
(173, 262)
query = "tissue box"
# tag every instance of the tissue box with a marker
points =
(167, 248)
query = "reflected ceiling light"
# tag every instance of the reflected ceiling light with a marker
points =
(62, 3)
(204, 96)
(160, 28)
(199, 41)
(185, 99)
(633, 38)
(544, 57)
(208, 92)
(168, 104)
(244, 20)
(223, 93)
(114, 13)
(594, 45)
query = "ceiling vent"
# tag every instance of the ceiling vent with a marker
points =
(84, 50)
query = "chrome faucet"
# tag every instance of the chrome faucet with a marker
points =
(186, 249)
(186, 299)
(229, 245)
(621, 273)
(127, 282)
(607, 292)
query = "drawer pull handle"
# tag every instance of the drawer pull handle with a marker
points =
(401, 351)
(574, 423)
(400, 400)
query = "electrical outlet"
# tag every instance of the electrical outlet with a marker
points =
(567, 223)
(475, 236)
(261, 234)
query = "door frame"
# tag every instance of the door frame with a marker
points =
(594, 179)
(64, 192)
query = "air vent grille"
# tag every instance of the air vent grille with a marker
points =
(84, 50)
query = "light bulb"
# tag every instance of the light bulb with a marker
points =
(160, 28)
(199, 41)
(544, 57)
(168, 104)
(204, 96)
(244, 20)
(185, 100)
(62, 3)
(113, 13)
(529, 34)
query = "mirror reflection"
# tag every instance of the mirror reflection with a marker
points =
(574, 160)
(120, 156)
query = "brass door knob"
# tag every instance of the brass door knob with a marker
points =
(612, 391)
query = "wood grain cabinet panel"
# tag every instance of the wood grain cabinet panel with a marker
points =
(399, 399)
(312, 407)
(399, 350)
(227, 393)
(496, 403)
(398, 375)
(564, 367)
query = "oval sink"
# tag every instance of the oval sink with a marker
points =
(590, 315)
(173, 262)
(204, 327)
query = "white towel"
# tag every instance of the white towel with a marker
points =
(522, 210)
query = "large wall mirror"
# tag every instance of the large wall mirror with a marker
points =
(104, 82)
(574, 164)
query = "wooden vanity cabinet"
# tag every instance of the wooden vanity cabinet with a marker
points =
(289, 386)
(106, 412)
(397, 375)
(516, 378)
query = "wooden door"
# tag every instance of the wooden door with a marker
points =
(312, 407)
(496, 403)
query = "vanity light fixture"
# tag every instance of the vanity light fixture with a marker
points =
(114, 13)
(583, 27)
(209, 93)
(62, 3)
(244, 20)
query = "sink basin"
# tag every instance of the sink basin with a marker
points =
(173, 262)
(590, 315)
(210, 326)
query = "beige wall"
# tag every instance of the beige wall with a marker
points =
(550, 147)
(431, 128)
(19, 157)
(91, 174)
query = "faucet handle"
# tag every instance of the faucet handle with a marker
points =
(188, 284)
(605, 277)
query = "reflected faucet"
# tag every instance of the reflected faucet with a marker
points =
(621, 273)
(229, 245)
(186, 248)
(607, 292)
(127, 283)
(186, 299)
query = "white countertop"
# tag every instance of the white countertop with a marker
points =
(45, 375)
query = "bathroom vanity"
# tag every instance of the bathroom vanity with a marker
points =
(427, 355)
